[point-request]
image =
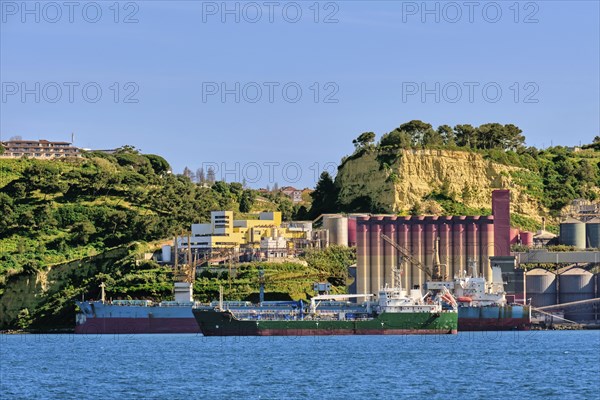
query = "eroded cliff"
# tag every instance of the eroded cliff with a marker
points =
(418, 177)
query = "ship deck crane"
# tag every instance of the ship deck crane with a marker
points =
(406, 255)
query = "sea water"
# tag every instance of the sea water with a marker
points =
(478, 365)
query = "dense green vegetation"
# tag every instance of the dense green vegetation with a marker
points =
(54, 211)
(555, 176)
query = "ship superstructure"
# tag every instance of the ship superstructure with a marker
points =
(482, 305)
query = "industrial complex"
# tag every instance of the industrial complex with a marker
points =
(462, 245)
(263, 238)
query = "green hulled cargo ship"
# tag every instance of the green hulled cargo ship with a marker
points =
(394, 313)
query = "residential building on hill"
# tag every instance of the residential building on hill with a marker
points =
(292, 193)
(43, 149)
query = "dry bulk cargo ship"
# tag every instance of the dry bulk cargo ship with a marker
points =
(138, 316)
(145, 316)
(134, 316)
(482, 305)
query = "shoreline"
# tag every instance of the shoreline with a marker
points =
(533, 328)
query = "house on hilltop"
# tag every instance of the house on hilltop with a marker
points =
(42, 149)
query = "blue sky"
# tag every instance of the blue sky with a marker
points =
(360, 66)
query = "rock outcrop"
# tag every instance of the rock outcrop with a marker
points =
(466, 177)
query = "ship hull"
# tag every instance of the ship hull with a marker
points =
(137, 325)
(101, 318)
(106, 319)
(494, 318)
(216, 323)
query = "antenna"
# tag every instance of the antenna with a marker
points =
(221, 298)
(473, 266)
(176, 252)
(189, 260)
(261, 280)
(102, 293)
(397, 278)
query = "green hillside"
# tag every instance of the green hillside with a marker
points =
(55, 211)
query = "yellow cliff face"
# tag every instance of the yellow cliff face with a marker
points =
(467, 177)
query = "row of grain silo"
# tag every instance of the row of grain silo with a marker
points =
(579, 234)
(461, 240)
(575, 284)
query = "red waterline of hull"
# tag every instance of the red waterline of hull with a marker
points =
(137, 325)
(326, 332)
(493, 324)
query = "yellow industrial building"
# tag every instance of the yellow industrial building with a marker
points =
(266, 232)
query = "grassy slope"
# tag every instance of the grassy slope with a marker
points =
(132, 195)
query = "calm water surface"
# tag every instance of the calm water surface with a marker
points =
(481, 365)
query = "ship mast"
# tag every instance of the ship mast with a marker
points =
(440, 271)
(102, 293)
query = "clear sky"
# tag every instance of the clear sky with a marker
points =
(213, 82)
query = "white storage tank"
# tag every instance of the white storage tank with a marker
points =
(592, 233)
(541, 287)
(574, 285)
(341, 231)
(337, 225)
(572, 233)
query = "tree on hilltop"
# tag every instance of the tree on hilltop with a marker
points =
(210, 176)
(466, 135)
(364, 139)
(447, 134)
(417, 130)
(396, 138)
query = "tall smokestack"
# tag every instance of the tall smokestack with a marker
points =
(501, 212)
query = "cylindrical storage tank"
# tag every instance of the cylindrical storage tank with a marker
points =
(403, 239)
(430, 236)
(473, 244)
(351, 231)
(514, 236)
(389, 252)
(445, 233)
(459, 246)
(166, 253)
(486, 248)
(362, 255)
(325, 240)
(328, 223)
(416, 250)
(340, 226)
(592, 233)
(376, 256)
(572, 233)
(541, 287)
(527, 239)
(574, 285)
